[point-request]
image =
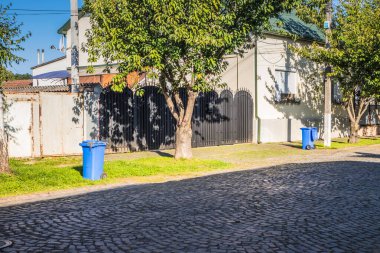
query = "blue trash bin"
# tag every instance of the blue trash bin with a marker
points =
(93, 159)
(314, 134)
(307, 142)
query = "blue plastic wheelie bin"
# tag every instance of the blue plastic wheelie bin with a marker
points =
(307, 142)
(93, 159)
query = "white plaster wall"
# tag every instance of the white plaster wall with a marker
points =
(240, 73)
(54, 66)
(22, 124)
(65, 122)
(273, 53)
(62, 123)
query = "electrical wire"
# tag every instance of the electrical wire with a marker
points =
(262, 56)
(35, 14)
(269, 43)
(40, 10)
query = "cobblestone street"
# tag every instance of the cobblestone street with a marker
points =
(331, 206)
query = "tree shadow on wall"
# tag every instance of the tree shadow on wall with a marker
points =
(91, 107)
(77, 109)
(9, 125)
(131, 123)
(116, 119)
(308, 107)
(87, 102)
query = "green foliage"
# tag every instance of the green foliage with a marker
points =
(354, 52)
(180, 42)
(10, 41)
(5, 75)
(48, 174)
(22, 76)
(312, 11)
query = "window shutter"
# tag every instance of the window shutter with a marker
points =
(292, 89)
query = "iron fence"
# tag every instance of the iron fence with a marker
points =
(130, 123)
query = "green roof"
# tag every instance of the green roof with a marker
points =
(291, 24)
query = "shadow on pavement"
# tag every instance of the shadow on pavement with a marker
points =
(327, 206)
(369, 155)
(293, 145)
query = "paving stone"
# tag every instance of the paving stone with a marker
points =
(316, 207)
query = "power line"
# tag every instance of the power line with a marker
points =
(68, 11)
(274, 62)
(35, 14)
(271, 43)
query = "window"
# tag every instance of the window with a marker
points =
(286, 85)
(337, 93)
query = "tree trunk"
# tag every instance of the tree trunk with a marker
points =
(4, 163)
(181, 113)
(354, 133)
(183, 142)
(355, 113)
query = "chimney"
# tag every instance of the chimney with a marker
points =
(38, 57)
(42, 56)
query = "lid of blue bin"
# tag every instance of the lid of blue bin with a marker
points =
(92, 143)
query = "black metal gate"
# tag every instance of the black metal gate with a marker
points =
(130, 123)
(243, 106)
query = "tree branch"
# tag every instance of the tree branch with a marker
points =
(180, 105)
(362, 108)
(171, 106)
(168, 98)
(190, 106)
(351, 112)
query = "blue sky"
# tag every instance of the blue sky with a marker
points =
(43, 27)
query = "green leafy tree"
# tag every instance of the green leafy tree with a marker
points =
(9, 75)
(354, 55)
(10, 42)
(179, 43)
(5, 75)
(22, 76)
(312, 11)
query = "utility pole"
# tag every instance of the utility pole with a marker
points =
(327, 116)
(74, 46)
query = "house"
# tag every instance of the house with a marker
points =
(271, 94)
(288, 90)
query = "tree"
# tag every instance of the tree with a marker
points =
(21, 76)
(312, 11)
(9, 75)
(179, 43)
(354, 55)
(10, 40)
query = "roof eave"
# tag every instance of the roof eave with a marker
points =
(66, 26)
(278, 34)
(48, 62)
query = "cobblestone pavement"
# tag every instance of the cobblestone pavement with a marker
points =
(330, 206)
